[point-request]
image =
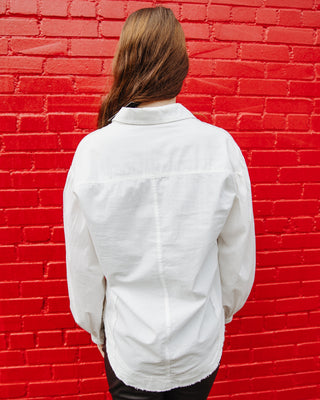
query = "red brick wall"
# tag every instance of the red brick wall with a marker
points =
(255, 69)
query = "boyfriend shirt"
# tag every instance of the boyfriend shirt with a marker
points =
(160, 243)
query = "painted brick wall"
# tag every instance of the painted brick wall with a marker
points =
(255, 69)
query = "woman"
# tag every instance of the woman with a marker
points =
(159, 229)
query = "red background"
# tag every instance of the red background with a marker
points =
(254, 70)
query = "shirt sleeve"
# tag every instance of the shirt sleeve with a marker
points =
(85, 279)
(236, 243)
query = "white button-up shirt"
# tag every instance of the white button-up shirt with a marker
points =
(160, 243)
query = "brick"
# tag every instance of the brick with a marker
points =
(226, 121)
(89, 84)
(90, 384)
(9, 289)
(283, 105)
(300, 174)
(250, 122)
(81, 8)
(33, 123)
(37, 252)
(39, 46)
(7, 253)
(57, 8)
(18, 26)
(3, 45)
(11, 357)
(111, 9)
(36, 216)
(311, 18)
(16, 272)
(45, 84)
(274, 352)
(16, 198)
(297, 320)
(47, 322)
(273, 322)
(14, 64)
(26, 373)
(10, 235)
(49, 356)
(52, 287)
(77, 337)
(194, 30)
(289, 191)
(290, 18)
(50, 339)
(274, 122)
(212, 50)
(58, 235)
(289, 35)
(298, 122)
(111, 28)
(36, 234)
(8, 123)
(23, 7)
(250, 3)
(295, 207)
(265, 52)
(218, 13)
(20, 341)
(309, 157)
(50, 197)
(62, 27)
(311, 191)
(93, 47)
(10, 324)
(58, 304)
(266, 16)
(297, 304)
(21, 103)
(61, 122)
(305, 89)
(211, 85)
(87, 121)
(243, 14)
(73, 66)
(306, 54)
(6, 84)
(239, 69)
(21, 306)
(192, 13)
(263, 87)
(279, 157)
(53, 160)
(54, 388)
(75, 103)
(298, 140)
(246, 140)
(277, 290)
(56, 270)
(9, 391)
(290, 3)
(235, 104)
(238, 32)
(290, 71)
(31, 142)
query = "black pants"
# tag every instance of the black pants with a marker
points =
(120, 391)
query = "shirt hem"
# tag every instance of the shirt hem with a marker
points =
(162, 383)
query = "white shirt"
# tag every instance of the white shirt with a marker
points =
(160, 243)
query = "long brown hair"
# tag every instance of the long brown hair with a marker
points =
(151, 61)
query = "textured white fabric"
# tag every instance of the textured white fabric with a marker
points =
(160, 243)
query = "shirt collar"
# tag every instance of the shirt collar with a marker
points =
(153, 115)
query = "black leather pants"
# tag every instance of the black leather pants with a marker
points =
(120, 391)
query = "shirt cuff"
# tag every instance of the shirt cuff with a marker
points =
(227, 320)
(96, 340)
